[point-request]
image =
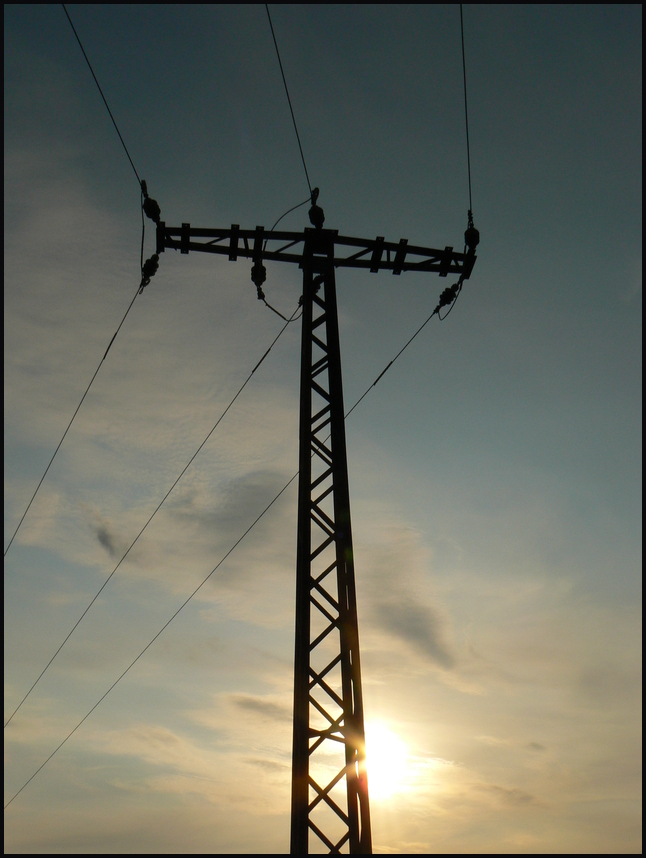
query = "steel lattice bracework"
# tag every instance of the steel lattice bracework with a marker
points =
(329, 784)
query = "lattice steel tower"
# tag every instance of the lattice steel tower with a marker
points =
(329, 783)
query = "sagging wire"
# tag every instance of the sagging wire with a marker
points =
(448, 297)
(148, 269)
(259, 272)
(165, 626)
(285, 215)
(152, 210)
(288, 98)
(444, 300)
(149, 206)
(102, 96)
(466, 111)
(471, 236)
(190, 461)
(87, 389)
(181, 607)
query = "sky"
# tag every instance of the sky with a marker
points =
(495, 470)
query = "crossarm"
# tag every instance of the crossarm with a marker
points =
(260, 244)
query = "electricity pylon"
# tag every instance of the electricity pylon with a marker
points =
(329, 781)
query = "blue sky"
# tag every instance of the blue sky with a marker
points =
(495, 470)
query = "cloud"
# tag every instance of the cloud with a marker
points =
(238, 502)
(514, 797)
(106, 540)
(195, 534)
(261, 706)
(108, 537)
(269, 765)
(161, 747)
(417, 625)
(399, 597)
(608, 684)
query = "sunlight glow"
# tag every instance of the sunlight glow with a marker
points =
(386, 758)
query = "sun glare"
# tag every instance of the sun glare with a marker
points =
(386, 758)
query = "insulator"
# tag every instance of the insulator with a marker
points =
(152, 210)
(317, 218)
(258, 274)
(448, 296)
(149, 270)
(471, 238)
(150, 267)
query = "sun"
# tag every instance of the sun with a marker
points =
(386, 760)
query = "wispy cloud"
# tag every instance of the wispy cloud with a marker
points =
(400, 597)
(263, 707)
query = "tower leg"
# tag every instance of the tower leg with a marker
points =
(329, 783)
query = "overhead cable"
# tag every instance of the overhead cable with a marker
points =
(96, 596)
(148, 269)
(466, 111)
(102, 96)
(165, 626)
(259, 272)
(215, 568)
(384, 371)
(70, 423)
(289, 99)
(293, 208)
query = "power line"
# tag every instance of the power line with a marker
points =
(293, 208)
(102, 96)
(289, 99)
(69, 424)
(220, 562)
(127, 311)
(112, 340)
(466, 111)
(436, 311)
(384, 371)
(138, 292)
(165, 626)
(261, 294)
(96, 596)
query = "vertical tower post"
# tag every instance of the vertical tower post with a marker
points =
(329, 782)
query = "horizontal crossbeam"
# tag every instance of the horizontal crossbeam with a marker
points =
(258, 244)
